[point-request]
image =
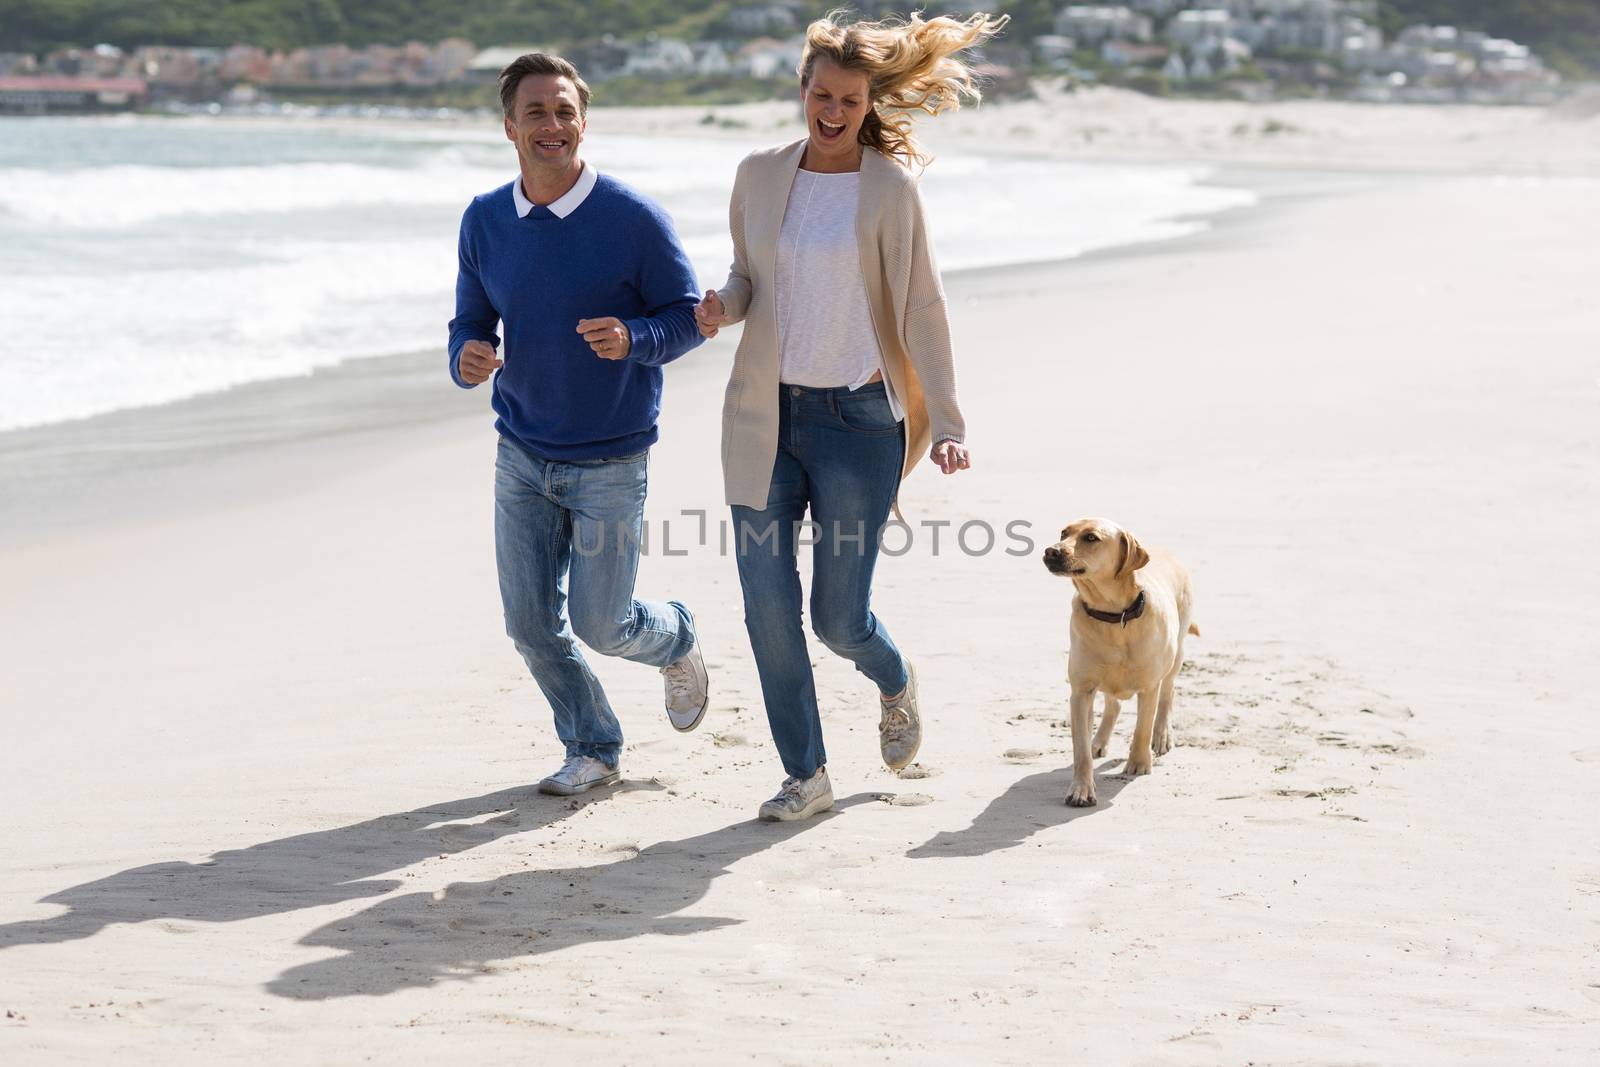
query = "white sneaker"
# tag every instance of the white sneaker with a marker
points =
(688, 689)
(579, 775)
(800, 798)
(900, 728)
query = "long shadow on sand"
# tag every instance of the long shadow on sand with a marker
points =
(1032, 804)
(456, 933)
(304, 871)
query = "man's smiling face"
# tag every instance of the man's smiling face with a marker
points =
(546, 122)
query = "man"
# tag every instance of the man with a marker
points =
(595, 295)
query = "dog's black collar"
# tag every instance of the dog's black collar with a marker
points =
(1123, 617)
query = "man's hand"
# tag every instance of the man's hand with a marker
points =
(710, 314)
(477, 362)
(609, 338)
(951, 456)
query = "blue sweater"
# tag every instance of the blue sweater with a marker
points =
(615, 255)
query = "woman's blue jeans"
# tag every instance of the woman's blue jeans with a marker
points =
(839, 455)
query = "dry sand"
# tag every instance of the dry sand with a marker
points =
(268, 757)
(1117, 124)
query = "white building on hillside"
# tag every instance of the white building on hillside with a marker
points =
(711, 58)
(660, 56)
(769, 58)
(1089, 25)
(1192, 27)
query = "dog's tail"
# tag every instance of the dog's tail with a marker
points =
(1194, 629)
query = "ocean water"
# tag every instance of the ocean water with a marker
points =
(147, 260)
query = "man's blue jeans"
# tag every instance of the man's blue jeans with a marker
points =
(567, 535)
(839, 453)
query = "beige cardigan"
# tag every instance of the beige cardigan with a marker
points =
(904, 295)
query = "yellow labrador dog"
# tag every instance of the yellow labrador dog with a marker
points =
(1129, 620)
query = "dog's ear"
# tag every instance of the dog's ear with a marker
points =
(1133, 555)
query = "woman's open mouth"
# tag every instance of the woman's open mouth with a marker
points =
(827, 131)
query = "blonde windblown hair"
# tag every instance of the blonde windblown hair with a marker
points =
(910, 66)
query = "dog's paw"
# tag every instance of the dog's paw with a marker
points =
(1161, 744)
(1081, 794)
(1097, 751)
(1137, 764)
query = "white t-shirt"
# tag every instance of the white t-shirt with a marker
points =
(825, 334)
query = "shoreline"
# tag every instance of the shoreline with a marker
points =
(50, 465)
(1120, 126)
(1140, 223)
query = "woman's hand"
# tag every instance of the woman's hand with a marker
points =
(951, 456)
(709, 314)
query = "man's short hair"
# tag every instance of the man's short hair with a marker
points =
(539, 63)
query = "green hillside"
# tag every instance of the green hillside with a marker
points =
(41, 25)
(1565, 32)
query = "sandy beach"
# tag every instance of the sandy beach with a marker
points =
(270, 759)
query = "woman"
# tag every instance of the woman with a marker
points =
(843, 376)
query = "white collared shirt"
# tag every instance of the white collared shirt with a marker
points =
(568, 201)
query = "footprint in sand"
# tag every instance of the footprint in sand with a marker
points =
(905, 800)
(1390, 712)
(916, 771)
(730, 740)
(1400, 751)
(1021, 755)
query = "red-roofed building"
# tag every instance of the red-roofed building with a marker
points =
(39, 94)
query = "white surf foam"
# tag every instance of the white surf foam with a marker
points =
(165, 282)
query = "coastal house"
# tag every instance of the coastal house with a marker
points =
(711, 58)
(487, 64)
(1190, 28)
(1090, 25)
(659, 57)
(1360, 46)
(172, 73)
(165, 67)
(1444, 57)
(40, 94)
(1230, 54)
(292, 68)
(101, 61)
(451, 56)
(245, 63)
(1505, 60)
(768, 58)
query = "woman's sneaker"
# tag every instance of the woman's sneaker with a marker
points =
(800, 798)
(579, 775)
(900, 728)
